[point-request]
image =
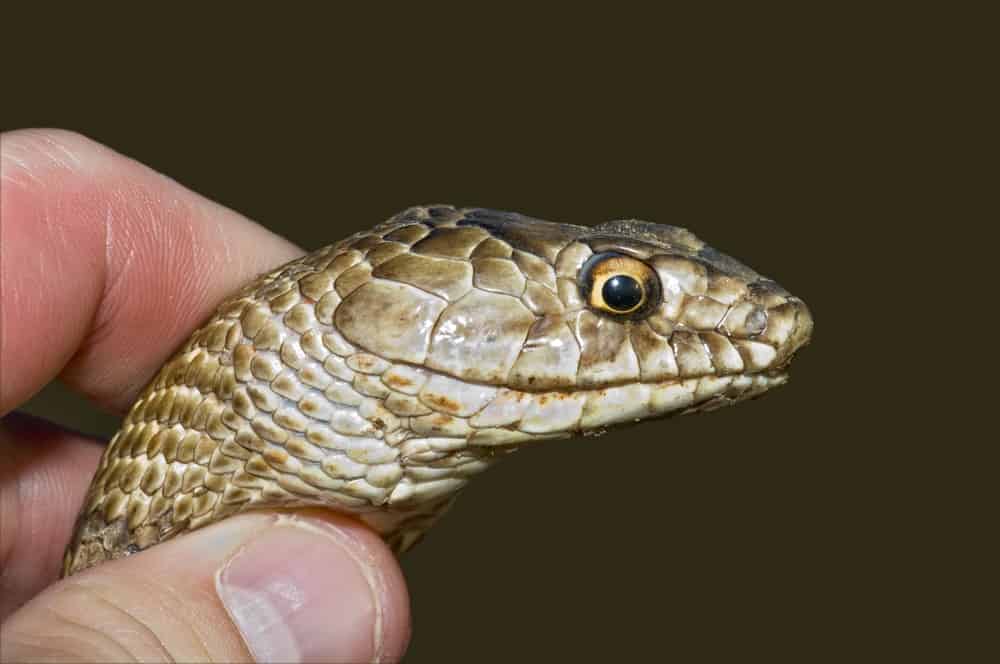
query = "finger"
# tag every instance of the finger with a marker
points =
(106, 266)
(41, 490)
(286, 588)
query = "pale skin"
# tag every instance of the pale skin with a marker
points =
(96, 252)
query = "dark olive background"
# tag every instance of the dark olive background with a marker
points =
(839, 517)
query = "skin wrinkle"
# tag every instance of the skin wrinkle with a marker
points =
(176, 608)
(24, 298)
(202, 631)
(142, 629)
(11, 146)
(55, 239)
(119, 259)
(57, 147)
(94, 325)
(169, 231)
(100, 639)
(27, 494)
(11, 509)
(181, 601)
(22, 168)
(40, 475)
(228, 253)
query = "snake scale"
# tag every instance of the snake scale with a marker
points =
(377, 375)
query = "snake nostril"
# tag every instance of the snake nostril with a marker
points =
(756, 321)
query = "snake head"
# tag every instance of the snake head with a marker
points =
(532, 330)
(376, 375)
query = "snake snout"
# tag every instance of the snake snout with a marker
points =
(792, 329)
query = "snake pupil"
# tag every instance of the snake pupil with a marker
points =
(622, 293)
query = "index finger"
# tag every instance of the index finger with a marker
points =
(107, 266)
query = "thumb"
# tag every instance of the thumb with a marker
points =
(272, 588)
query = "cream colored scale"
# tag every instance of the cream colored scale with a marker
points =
(377, 375)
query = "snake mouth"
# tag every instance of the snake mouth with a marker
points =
(703, 371)
(765, 366)
(706, 371)
(515, 417)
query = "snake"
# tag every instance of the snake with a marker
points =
(377, 375)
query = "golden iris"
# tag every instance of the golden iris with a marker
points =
(621, 285)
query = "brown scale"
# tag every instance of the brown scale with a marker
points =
(312, 385)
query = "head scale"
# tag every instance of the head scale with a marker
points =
(535, 329)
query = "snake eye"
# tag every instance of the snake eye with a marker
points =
(622, 293)
(620, 285)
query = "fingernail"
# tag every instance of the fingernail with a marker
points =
(300, 592)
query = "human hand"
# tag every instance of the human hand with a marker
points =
(105, 268)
